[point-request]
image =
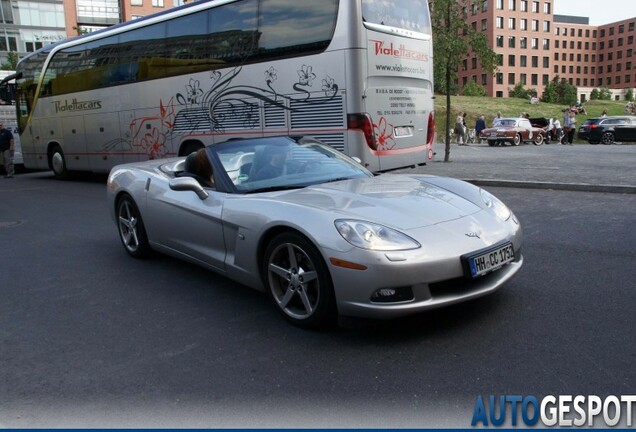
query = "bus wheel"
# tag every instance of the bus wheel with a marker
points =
(58, 163)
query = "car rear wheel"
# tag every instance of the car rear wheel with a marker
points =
(517, 140)
(492, 143)
(131, 228)
(298, 281)
(607, 138)
(538, 140)
(593, 142)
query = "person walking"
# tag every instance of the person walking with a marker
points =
(6, 149)
(480, 125)
(569, 121)
(459, 128)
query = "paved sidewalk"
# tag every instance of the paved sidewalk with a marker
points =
(584, 167)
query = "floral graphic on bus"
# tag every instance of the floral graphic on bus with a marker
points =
(383, 131)
(200, 110)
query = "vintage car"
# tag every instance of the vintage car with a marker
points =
(318, 232)
(514, 131)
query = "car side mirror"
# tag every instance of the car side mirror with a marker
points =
(188, 184)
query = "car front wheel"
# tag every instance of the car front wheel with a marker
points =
(298, 281)
(607, 138)
(131, 228)
(517, 140)
(538, 140)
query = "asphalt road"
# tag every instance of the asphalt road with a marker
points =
(90, 337)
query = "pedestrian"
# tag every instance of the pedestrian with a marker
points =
(480, 125)
(459, 128)
(604, 114)
(558, 131)
(569, 124)
(6, 149)
(496, 119)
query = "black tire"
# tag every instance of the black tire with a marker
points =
(57, 162)
(517, 140)
(130, 226)
(538, 140)
(607, 138)
(298, 281)
(593, 142)
(492, 143)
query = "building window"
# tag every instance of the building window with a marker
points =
(523, 24)
(535, 25)
(535, 61)
(484, 6)
(546, 8)
(511, 41)
(499, 22)
(500, 59)
(511, 23)
(484, 79)
(524, 6)
(556, 44)
(546, 44)
(511, 60)
(500, 78)
(136, 2)
(534, 79)
(523, 61)
(157, 3)
(546, 62)
(546, 26)
(535, 7)
(523, 79)
(523, 42)
(545, 79)
(473, 63)
(611, 31)
(500, 41)
(511, 79)
(500, 4)
(499, 94)
(535, 43)
(484, 25)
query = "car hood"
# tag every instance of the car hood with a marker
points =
(400, 201)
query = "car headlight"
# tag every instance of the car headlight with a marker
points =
(371, 236)
(493, 203)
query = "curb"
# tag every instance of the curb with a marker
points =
(578, 187)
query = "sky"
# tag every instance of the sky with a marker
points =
(598, 11)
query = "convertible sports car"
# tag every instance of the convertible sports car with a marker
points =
(513, 131)
(317, 231)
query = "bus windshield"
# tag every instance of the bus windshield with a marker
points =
(403, 14)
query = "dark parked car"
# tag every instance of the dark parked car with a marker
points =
(608, 130)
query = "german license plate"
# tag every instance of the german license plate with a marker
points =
(489, 260)
(401, 131)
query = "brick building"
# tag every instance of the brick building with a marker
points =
(534, 46)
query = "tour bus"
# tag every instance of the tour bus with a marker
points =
(355, 74)
(8, 114)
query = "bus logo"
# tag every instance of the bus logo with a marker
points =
(400, 52)
(75, 105)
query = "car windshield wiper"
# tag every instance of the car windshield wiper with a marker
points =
(338, 179)
(276, 188)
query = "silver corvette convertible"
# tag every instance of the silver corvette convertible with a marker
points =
(315, 230)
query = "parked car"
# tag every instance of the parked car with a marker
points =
(513, 131)
(607, 130)
(324, 236)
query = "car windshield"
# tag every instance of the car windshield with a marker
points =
(505, 122)
(281, 163)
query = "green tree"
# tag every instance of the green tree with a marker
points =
(629, 95)
(12, 61)
(605, 94)
(550, 94)
(594, 95)
(453, 39)
(473, 89)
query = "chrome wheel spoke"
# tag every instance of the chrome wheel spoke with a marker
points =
(289, 294)
(303, 296)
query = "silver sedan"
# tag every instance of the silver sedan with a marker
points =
(319, 233)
